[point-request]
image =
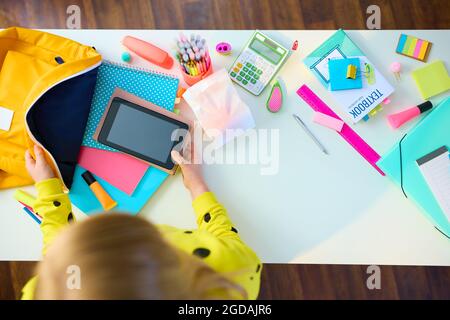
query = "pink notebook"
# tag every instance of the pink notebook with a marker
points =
(122, 171)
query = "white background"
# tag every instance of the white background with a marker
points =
(318, 209)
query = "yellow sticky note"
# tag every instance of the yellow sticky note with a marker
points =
(432, 79)
(407, 45)
(412, 47)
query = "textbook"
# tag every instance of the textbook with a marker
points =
(357, 103)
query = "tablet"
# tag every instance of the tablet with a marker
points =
(142, 129)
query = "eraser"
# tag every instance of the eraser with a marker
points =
(328, 121)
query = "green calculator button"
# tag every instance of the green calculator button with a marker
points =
(239, 78)
(242, 73)
(233, 74)
(244, 81)
(248, 64)
(247, 77)
(256, 76)
(251, 73)
(254, 68)
(253, 81)
(245, 69)
(258, 71)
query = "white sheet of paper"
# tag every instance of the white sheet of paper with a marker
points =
(6, 116)
(435, 170)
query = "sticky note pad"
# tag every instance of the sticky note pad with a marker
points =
(337, 69)
(328, 121)
(432, 79)
(413, 47)
(111, 167)
(6, 116)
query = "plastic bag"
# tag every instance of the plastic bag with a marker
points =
(218, 107)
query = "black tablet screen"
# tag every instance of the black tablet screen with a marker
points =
(141, 132)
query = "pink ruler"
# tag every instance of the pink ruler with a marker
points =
(347, 133)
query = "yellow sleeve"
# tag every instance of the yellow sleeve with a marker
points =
(236, 257)
(54, 206)
(212, 216)
(29, 289)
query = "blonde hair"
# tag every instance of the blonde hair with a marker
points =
(125, 257)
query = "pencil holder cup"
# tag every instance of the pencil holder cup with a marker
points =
(191, 80)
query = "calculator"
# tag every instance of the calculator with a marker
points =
(258, 63)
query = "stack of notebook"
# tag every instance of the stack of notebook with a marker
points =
(130, 182)
(370, 88)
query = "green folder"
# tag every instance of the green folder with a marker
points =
(428, 135)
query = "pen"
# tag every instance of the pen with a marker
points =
(312, 136)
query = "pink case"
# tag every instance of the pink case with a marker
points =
(148, 51)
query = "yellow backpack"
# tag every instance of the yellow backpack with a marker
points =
(48, 82)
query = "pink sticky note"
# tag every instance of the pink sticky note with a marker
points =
(328, 121)
(122, 171)
(417, 48)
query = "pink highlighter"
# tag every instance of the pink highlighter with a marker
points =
(399, 118)
(148, 51)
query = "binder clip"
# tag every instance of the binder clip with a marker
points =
(351, 71)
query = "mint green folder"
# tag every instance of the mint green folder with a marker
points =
(428, 135)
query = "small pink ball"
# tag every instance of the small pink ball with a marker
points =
(396, 67)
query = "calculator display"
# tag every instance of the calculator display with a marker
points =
(266, 51)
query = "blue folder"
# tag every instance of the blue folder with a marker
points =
(428, 135)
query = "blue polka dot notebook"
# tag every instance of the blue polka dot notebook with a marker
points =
(157, 88)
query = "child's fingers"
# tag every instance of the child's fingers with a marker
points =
(29, 161)
(177, 158)
(187, 149)
(39, 153)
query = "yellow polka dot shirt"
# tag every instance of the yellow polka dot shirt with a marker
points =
(216, 241)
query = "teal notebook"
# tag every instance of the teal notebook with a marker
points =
(428, 135)
(155, 87)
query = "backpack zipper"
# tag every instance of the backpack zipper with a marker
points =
(30, 134)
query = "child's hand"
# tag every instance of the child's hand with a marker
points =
(38, 169)
(192, 173)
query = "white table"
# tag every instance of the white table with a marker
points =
(284, 217)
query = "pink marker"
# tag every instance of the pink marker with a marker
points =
(399, 118)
